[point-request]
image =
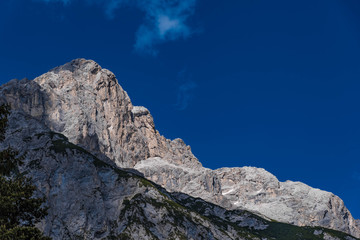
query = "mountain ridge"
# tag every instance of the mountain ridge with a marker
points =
(88, 198)
(85, 103)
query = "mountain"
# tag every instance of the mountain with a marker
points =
(88, 148)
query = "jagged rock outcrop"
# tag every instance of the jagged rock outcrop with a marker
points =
(86, 104)
(198, 182)
(91, 199)
(292, 202)
(256, 190)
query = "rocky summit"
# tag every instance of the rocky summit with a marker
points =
(107, 173)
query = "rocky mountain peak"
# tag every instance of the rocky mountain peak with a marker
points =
(86, 104)
(79, 64)
(82, 76)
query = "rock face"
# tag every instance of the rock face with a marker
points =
(291, 202)
(256, 190)
(91, 199)
(86, 104)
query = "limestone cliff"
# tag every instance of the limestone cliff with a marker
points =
(91, 199)
(86, 104)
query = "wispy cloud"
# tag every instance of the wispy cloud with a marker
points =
(165, 20)
(185, 92)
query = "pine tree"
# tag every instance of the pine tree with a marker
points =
(19, 210)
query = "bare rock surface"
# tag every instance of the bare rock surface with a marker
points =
(197, 182)
(90, 199)
(85, 103)
(257, 190)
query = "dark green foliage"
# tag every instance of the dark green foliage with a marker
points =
(21, 233)
(4, 112)
(283, 231)
(275, 230)
(16, 203)
(19, 210)
(9, 162)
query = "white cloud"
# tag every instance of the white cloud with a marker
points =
(165, 20)
(165, 25)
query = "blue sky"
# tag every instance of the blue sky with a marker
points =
(271, 84)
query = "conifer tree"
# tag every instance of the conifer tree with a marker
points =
(19, 210)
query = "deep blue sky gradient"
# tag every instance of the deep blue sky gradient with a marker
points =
(271, 84)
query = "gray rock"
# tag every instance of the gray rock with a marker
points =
(86, 104)
(90, 199)
(257, 190)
